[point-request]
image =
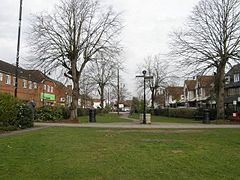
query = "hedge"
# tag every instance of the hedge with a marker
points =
(184, 112)
(51, 113)
(14, 113)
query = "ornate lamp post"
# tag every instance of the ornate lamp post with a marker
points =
(144, 93)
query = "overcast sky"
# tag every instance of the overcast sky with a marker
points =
(147, 27)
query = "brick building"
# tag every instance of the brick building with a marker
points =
(33, 85)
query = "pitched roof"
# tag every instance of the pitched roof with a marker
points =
(175, 91)
(205, 81)
(190, 84)
(33, 75)
(235, 69)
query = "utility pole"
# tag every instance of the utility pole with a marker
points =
(18, 48)
(118, 91)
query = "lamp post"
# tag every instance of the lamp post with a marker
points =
(18, 47)
(144, 93)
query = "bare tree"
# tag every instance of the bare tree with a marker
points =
(71, 36)
(102, 72)
(159, 69)
(210, 41)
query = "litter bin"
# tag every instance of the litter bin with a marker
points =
(206, 117)
(235, 116)
(92, 115)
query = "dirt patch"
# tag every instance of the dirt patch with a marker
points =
(158, 140)
(19, 131)
(175, 131)
(177, 151)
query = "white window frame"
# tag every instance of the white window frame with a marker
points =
(24, 83)
(236, 77)
(48, 88)
(14, 81)
(44, 87)
(51, 88)
(8, 79)
(1, 76)
(227, 79)
(35, 85)
(30, 84)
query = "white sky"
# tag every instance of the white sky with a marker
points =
(147, 27)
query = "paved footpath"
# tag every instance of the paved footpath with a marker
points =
(137, 125)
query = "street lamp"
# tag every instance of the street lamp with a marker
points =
(144, 93)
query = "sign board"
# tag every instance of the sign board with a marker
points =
(148, 77)
(47, 96)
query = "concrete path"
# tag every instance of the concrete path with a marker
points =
(137, 125)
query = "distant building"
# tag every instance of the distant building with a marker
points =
(190, 93)
(232, 86)
(198, 92)
(173, 96)
(33, 85)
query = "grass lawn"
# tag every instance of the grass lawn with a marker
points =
(167, 119)
(74, 153)
(104, 118)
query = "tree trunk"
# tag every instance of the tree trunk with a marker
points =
(220, 91)
(74, 104)
(102, 96)
(153, 98)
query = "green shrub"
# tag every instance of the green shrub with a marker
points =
(176, 112)
(82, 112)
(66, 113)
(49, 113)
(25, 116)
(183, 112)
(13, 113)
(8, 110)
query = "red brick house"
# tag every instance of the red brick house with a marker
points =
(32, 85)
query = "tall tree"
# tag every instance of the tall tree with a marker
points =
(158, 68)
(211, 40)
(102, 72)
(71, 36)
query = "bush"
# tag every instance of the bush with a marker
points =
(49, 113)
(66, 113)
(25, 116)
(8, 110)
(184, 112)
(176, 112)
(14, 114)
(82, 112)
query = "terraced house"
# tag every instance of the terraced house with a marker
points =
(33, 85)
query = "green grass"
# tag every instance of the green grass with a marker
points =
(104, 118)
(167, 119)
(74, 153)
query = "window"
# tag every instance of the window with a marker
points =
(51, 89)
(24, 83)
(45, 87)
(35, 85)
(227, 79)
(30, 84)
(48, 88)
(1, 77)
(236, 77)
(8, 79)
(14, 81)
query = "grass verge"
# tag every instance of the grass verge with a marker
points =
(73, 153)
